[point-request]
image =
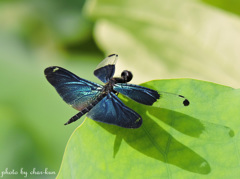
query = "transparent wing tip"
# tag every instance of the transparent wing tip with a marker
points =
(173, 100)
(109, 60)
(185, 102)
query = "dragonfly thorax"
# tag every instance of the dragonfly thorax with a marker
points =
(126, 76)
(108, 87)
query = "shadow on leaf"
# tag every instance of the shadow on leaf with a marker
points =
(191, 126)
(153, 141)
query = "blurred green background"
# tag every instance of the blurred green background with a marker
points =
(154, 39)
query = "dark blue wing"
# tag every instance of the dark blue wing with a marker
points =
(106, 69)
(75, 91)
(137, 93)
(111, 110)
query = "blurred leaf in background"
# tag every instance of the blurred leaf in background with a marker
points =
(175, 38)
(157, 39)
(34, 35)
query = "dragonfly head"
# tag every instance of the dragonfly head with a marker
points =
(127, 76)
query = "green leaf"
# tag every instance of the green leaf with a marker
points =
(174, 141)
(176, 38)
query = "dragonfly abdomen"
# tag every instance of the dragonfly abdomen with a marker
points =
(85, 110)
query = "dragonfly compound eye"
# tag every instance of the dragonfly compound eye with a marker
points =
(126, 75)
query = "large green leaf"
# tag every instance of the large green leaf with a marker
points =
(176, 38)
(174, 141)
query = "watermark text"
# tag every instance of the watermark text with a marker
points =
(25, 173)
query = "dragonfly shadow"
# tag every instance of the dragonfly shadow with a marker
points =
(155, 142)
(192, 126)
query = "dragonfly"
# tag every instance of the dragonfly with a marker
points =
(101, 102)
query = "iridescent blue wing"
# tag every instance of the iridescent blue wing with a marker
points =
(138, 93)
(75, 91)
(106, 69)
(111, 110)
